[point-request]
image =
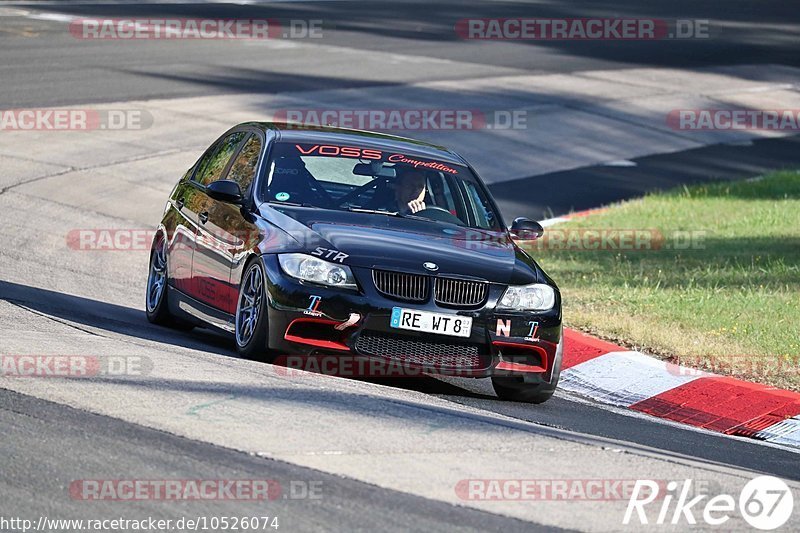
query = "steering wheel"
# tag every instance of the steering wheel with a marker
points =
(434, 212)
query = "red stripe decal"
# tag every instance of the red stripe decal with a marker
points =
(723, 404)
(518, 367)
(579, 348)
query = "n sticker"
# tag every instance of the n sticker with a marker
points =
(503, 327)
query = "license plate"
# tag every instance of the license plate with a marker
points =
(455, 326)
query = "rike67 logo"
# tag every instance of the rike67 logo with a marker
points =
(765, 503)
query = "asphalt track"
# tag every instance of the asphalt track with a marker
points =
(37, 481)
(70, 72)
(587, 187)
(388, 454)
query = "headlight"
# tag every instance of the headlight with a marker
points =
(536, 297)
(315, 270)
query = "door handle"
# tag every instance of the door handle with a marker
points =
(179, 202)
(203, 217)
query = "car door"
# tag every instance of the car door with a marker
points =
(181, 226)
(182, 229)
(224, 231)
(196, 202)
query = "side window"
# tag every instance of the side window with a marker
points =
(482, 214)
(439, 193)
(243, 169)
(214, 162)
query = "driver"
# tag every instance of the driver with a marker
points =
(409, 191)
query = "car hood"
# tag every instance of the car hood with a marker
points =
(394, 243)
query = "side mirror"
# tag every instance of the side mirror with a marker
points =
(526, 229)
(225, 191)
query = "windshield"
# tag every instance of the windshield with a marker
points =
(349, 178)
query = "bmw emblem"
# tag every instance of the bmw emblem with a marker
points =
(433, 267)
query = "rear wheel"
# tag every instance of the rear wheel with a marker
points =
(517, 389)
(156, 305)
(252, 326)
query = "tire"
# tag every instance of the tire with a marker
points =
(155, 305)
(252, 321)
(517, 389)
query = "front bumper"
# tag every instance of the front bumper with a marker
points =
(311, 320)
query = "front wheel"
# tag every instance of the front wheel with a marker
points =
(516, 389)
(252, 327)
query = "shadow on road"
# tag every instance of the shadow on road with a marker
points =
(132, 322)
(558, 193)
(737, 34)
(109, 317)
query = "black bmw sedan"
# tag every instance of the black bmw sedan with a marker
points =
(312, 240)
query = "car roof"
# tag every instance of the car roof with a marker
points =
(328, 134)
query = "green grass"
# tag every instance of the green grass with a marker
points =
(730, 304)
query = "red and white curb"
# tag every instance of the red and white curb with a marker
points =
(613, 375)
(557, 220)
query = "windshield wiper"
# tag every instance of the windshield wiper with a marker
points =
(354, 209)
(295, 204)
(397, 214)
